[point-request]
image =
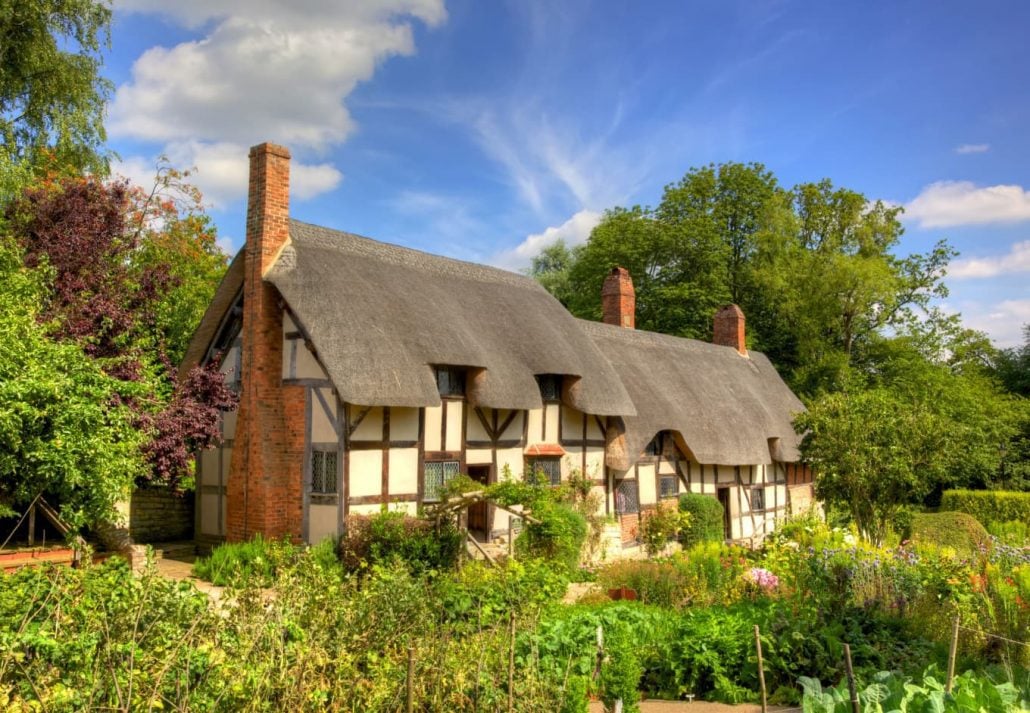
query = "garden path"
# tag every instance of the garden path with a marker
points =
(692, 707)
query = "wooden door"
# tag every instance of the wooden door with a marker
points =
(724, 500)
(477, 514)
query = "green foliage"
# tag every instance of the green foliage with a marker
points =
(558, 536)
(377, 539)
(660, 526)
(889, 691)
(482, 595)
(239, 563)
(621, 669)
(989, 506)
(706, 519)
(63, 431)
(52, 94)
(957, 530)
(1013, 533)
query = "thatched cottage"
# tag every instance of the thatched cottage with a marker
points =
(370, 374)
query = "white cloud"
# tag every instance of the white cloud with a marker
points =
(972, 148)
(573, 231)
(950, 203)
(1002, 321)
(1015, 261)
(261, 71)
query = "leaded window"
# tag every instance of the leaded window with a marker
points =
(668, 486)
(627, 497)
(550, 386)
(450, 381)
(550, 468)
(323, 472)
(437, 474)
(758, 498)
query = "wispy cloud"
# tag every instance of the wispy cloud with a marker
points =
(972, 148)
(951, 203)
(1016, 260)
(1003, 321)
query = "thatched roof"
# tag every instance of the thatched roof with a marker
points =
(380, 316)
(728, 409)
(225, 296)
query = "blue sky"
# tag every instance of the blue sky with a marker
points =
(484, 130)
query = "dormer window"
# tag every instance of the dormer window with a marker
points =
(654, 448)
(450, 380)
(550, 387)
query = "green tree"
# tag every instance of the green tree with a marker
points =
(64, 428)
(551, 269)
(52, 95)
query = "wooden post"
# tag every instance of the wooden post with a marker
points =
(511, 661)
(851, 679)
(511, 540)
(952, 653)
(32, 524)
(761, 668)
(410, 707)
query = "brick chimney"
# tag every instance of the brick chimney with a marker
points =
(728, 329)
(619, 299)
(266, 471)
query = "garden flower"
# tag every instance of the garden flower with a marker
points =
(765, 579)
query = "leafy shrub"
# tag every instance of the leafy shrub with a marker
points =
(482, 595)
(558, 536)
(661, 525)
(957, 530)
(989, 506)
(238, 563)
(1013, 533)
(656, 582)
(706, 519)
(621, 669)
(421, 544)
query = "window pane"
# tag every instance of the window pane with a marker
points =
(627, 498)
(450, 381)
(550, 387)
(549, 467)
(323, 471)
(758, 499)
(669, 486)
(437, 474)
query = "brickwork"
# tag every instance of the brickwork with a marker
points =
(728, 328)
(619, 299)
(630, 526)
(158, 515)
(263, 492)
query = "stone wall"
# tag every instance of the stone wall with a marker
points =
(157, 515)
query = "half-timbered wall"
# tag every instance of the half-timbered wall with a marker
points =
(360, 458)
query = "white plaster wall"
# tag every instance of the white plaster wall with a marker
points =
(229, 424)
(593, 428)
(535, 433)
(209, 467)
(321, 523)
(595, 462)
(551, 425)
(514, 429)
(366, 473)
(476, 432)
(646, 474)
(478, 456)
(371, 427)
(403, 471)
(454, 414)
(403, 424)
(434, 421)
(209, 514)
(572, 423)
(512, 457)
(322, 430)
(307, 366)
(226, 462)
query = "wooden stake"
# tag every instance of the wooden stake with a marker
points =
(951, 655)
(511, 661)
(32, 524)
(511, 540)
(410, 707)
(851, 679)
(761, 668)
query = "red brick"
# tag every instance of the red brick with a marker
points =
(619, 299)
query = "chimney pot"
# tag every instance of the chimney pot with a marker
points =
(728, 328)
(619, 299)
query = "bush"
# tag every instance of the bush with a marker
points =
(421, 544)
(1012, 533)
(482, 595)
(239, 563)
(661, 525)
(956, 530)
(989, 506)
(558, 537)
(660, 583)
(706, 519)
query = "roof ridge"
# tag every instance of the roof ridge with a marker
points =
(329, 238)
(644, 335)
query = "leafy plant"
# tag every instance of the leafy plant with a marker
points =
(706, 519)
(423, 545)
(239, 563)
(661, 525)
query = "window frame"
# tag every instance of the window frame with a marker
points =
(553, 461)
(547, 382)
(320, 453)
(760, 492)
(662, 479)
(443, 480)
(456, 384)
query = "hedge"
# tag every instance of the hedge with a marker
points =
(958, 530)
(706, 519)
(989, 506)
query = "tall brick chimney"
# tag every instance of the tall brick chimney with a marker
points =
(728, 329)
(619, 299)
(265, 475)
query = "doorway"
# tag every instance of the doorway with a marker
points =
(724, 500)
(478, 513)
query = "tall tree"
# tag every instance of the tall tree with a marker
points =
(52, 95)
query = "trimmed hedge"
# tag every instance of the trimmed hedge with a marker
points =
(706, 519)
(989, 506)
(958, 530)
